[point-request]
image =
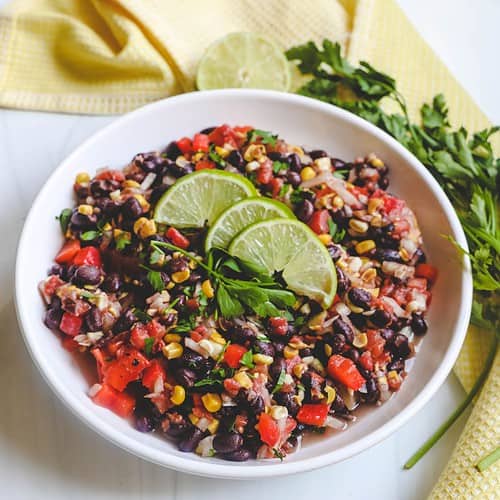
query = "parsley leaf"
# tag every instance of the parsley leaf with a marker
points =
(265, 136)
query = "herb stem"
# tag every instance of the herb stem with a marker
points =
(489, 460)
(458, 411)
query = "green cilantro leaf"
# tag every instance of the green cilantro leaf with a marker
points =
(156, 281)
(265, 136)
(90, 235)
(148, 345)
(279, 382)
(64, 218)
(247, 359)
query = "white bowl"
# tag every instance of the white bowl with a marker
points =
(298, 120)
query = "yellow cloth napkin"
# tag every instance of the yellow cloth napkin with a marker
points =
(111, 56)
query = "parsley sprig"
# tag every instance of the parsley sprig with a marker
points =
(464, 165)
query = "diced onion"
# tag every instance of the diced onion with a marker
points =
(335, 423)
(148, 181)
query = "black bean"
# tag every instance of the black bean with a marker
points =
(264, 348)
(419, 256)
(352, 354)
(397, 365)
(381, 318)
(108, 207)
(276, 156)
(236, 160)
(399, 324)
(131, 208)
(172, 151)
(293, 178)
(241, 455)
(93, 320)
(227, 442)
(56, 270)
(150, 162)
(87, 275)
(383, 182)
(388, 254)
(334, 251)
(360, 298)
(102, 187)
(279, 346)
(175, 425)
(157, 192)
(180, 170)
(294, 162)
(286, 399)
(343, 282)
(277, 367)
(185, 377)
(373, 393)
(144, 424)
(304, 353)
(340, 164)
(55, 302)
(337, 342)
(418, 324)
(178, 265)
(317, 153)
(53, 318)
(358, 320)
(338, 405)
(387, 334)
(192, 359)
(191, 440)
(81, 221)
(399, 346)
(342, 327)
(304, 211)
(112, 283)
(69, 272)
(124, 322)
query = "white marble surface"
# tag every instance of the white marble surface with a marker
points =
(46, 453)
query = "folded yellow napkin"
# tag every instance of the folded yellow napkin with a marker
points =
(111, 56)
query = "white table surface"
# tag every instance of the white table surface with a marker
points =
(45, 452)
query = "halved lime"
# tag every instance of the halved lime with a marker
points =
(242, 214)
(289, 246)
(243, 60)
(200, 197)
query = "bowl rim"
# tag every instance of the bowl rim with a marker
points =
(255, 469)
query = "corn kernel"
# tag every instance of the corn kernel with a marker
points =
(299, 369)
(358, 226)
(325, 238)
(376, 221)
(193, 418)
(172, 337)
(144, 228)
(328, 350)
(374, 291)
(82, 178)
(218, 338)
(223, 153)
(307, 173)
(393, 375)
(323, 164)
(331, 393)
(198, 156)
(360, 340)
(244, 380)
(179, 395)
(173, 350)
(212, 402)
(181, 276)
(129, 183)
(404, 254)
(290, 353)
(193, 264)
(170, 285)
(298, 150)
(142, 201)
(262, 359)
(337, 201)
(207, 289)
(213, 426)
(297, 344)
(374, 204)
(377, 163)
(139, 223)
(254, 152)
(369, 275)
(316, 322)
(86, 209)
(364, 246)
(278, 412)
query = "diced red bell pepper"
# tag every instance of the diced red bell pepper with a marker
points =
(223, 135)
(204, 165)
(392, 203)
(426, 271)
(201, 142)
(126, 368)
(68, 252)
(70, 324)
(156, 329)
(138, 335)
(231, 387)
(344, 371)
(121, 403)
(151, 374)
(185, 145)
(265, 172)
(319, 221)
(192, 304)
(233, 355)
(375, 343)
(89, 256)
(313, 414)
(366, 361)
(111, 175)
(177, 238)
(268, 430)
(276, 185)
(278, 325)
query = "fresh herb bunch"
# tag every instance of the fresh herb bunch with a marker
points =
(464, 165)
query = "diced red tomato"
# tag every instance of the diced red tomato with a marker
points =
(201, 142)
(276, 185)
(69, 344)
(419, 284)
(67, 252)
(278, 325)
(319, 221)
(70, 324)
(196, 336)
(265, 172)
(323, 192)
(138, 335)
(50, 285)
(204, 165)
(156, 329)
(231, 387)
(344, 370)
(193, 304)
(392, 203)
(111, 175)
(177, 238)
(89, 256)
(375, 343)
(152, 373)
(126, 368)
(242, 129)
(121, 403)
(336, 299)
(313, 414)
(268, 430)
(185, 145)
(233, 355)
(366, 361)
(223, 135)
(426, 271)
(400, 226)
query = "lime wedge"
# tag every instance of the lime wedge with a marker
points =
(243, 60)
(242, 214)
(200, 197)
(289, 246)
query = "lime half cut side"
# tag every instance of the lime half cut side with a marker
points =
(289, 246)
(199, 198)
(237, 217)
(243, 60)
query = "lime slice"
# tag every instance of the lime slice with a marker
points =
(200, 197)
(289, 246)
(243, 60)
(242, 214)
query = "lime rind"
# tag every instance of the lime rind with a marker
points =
(199, 198)
(240, 215)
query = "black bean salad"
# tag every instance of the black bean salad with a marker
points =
(206, 349)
